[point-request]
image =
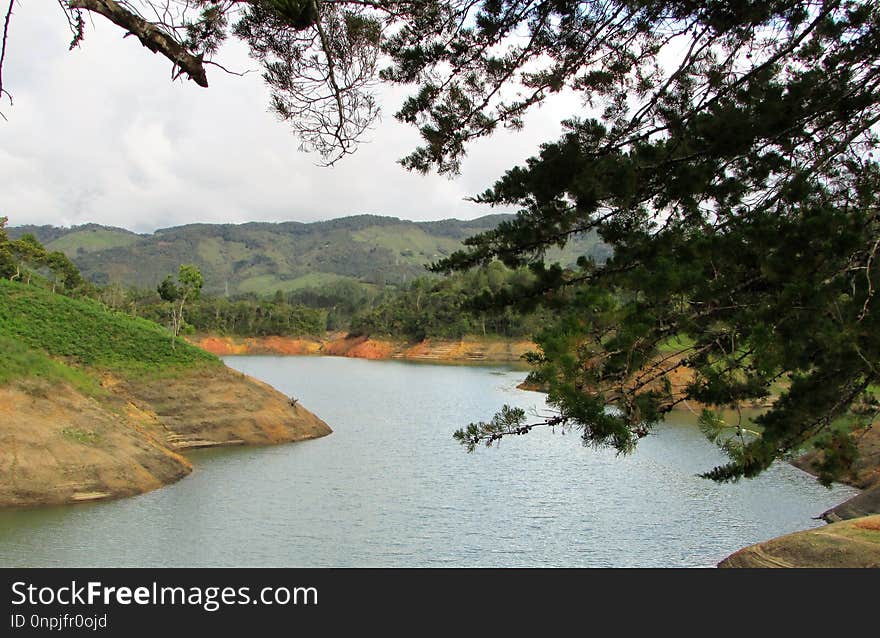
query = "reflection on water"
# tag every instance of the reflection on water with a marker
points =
(391, 488)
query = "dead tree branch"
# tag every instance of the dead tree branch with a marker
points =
(151, 36)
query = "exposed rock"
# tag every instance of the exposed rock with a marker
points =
(224, 407)
(58, 446)
(865, 504)
(853, 543)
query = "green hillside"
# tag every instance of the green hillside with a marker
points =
(18, 361)
(262, 258)
(44, 334)
(92, 239)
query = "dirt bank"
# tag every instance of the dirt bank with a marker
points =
(854, 543)
(866, 470)
(59, 446)
(865, 504)
(225, 407)
(865, 475)
(468, 349)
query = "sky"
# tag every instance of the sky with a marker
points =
(101, 134)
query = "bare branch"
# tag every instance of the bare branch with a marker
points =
(151, 36)
(3, 52)
(229, 71)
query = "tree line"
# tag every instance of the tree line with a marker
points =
(427, 307)
(450, 308)
(24, 258)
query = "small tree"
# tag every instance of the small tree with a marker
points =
(7, 260)
(63, 271)
(29, 255)
(187, 287)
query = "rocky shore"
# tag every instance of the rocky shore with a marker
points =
(61, 446)
(852, 543)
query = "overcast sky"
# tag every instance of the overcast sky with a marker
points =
(101, 134)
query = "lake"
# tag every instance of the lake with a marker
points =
(390, 487)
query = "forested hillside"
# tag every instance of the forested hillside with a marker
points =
(263, 258)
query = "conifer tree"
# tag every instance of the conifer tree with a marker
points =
(724, 151)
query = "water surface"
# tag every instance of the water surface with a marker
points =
(391, 488)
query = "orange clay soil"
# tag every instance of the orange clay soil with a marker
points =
(58, 446)
(468, 349)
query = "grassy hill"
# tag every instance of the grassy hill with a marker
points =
(95, 404)
(75, 239)
(56, 337)
(262, 258)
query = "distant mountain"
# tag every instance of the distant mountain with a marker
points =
(263, 257)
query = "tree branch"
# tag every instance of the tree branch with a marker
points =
(151, 36)
(3, 51)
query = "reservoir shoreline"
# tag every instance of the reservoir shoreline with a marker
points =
(468, 349)
(62, 447)
(391, 488)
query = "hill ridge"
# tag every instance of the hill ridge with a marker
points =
(264, 257)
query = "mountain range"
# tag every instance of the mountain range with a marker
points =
(263, 257)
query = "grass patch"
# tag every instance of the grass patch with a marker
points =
(80, 436)
(413, 244)
(19, 363)
(676, 343)
(82, 332)
(92, 240)
(268, 284)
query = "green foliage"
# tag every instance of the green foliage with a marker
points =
(711, 425)
(736, 189)
(730, 171)
(64, 272)
(81, 332)
(7, 259)
(191, 281)
(242, 317)
(427, 307)
(81, 436)
(508, 421)
(300, 14)
(18, 363)
(168, 290)
(450, 308)
(29, 254)
(733, 439)
(25, 257)
(88, 238)
(839, 453)
(188, 287)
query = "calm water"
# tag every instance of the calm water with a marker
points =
(391, 488)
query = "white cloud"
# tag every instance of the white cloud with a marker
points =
(101, 134)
